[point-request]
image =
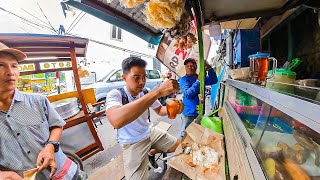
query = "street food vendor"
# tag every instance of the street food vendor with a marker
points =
(127, 111)
(30, 128)
(190, 87)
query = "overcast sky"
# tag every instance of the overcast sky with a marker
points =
(35, 20)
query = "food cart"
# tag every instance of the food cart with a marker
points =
(50, 53)
(265, 129)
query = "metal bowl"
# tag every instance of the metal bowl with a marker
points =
(67, 108)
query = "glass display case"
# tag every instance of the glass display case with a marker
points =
(280, 132)
(306, 89)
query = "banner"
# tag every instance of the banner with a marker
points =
(171, 54)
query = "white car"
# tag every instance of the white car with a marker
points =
(113, 80)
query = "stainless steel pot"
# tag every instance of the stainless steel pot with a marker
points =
(67, 108)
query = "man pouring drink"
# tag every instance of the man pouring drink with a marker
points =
(127, 110)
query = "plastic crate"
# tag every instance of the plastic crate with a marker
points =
(249, 110)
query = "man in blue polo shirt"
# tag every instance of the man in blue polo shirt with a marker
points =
(190, 87)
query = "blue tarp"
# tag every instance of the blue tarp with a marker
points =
(215, 87)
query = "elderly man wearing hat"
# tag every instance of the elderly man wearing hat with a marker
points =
(190, 87)
(30, 128)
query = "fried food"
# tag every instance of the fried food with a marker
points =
(164, 14)
(131, 3)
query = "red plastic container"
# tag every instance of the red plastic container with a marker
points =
(250, 110)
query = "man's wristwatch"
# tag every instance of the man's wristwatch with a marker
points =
(55, 144)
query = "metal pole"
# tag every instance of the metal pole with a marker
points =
(201, 57)
(58, 81)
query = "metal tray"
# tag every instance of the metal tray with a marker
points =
(67, 108)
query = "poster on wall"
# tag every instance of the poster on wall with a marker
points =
(173, 52)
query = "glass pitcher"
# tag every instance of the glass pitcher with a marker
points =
(259, 63)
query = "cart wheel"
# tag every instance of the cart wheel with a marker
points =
(75, 158)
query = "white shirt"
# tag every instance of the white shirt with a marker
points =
(138, 129)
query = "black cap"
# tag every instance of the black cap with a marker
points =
(189, 60)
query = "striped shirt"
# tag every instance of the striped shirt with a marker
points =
(24, 130)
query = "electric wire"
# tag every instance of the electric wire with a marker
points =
(76, 23)
(74, 20)
(29, 24)
(116, 47)
(47, 19)
(35, 17)
(23, 29)
(23, 18)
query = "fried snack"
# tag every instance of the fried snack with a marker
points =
(301, 153)
(164, 14)
(182, 28)
(296, 153)
(275, 170)
(295, 171)
(30, 174)
(131, 3)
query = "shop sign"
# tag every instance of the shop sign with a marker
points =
(26, 67)
(55, 65)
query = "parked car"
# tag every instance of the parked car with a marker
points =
(113, 80)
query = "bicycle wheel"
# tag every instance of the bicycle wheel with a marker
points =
(74, 157)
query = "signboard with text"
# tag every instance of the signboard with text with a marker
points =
(44, 66)
(54, 65)
(26, 67)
